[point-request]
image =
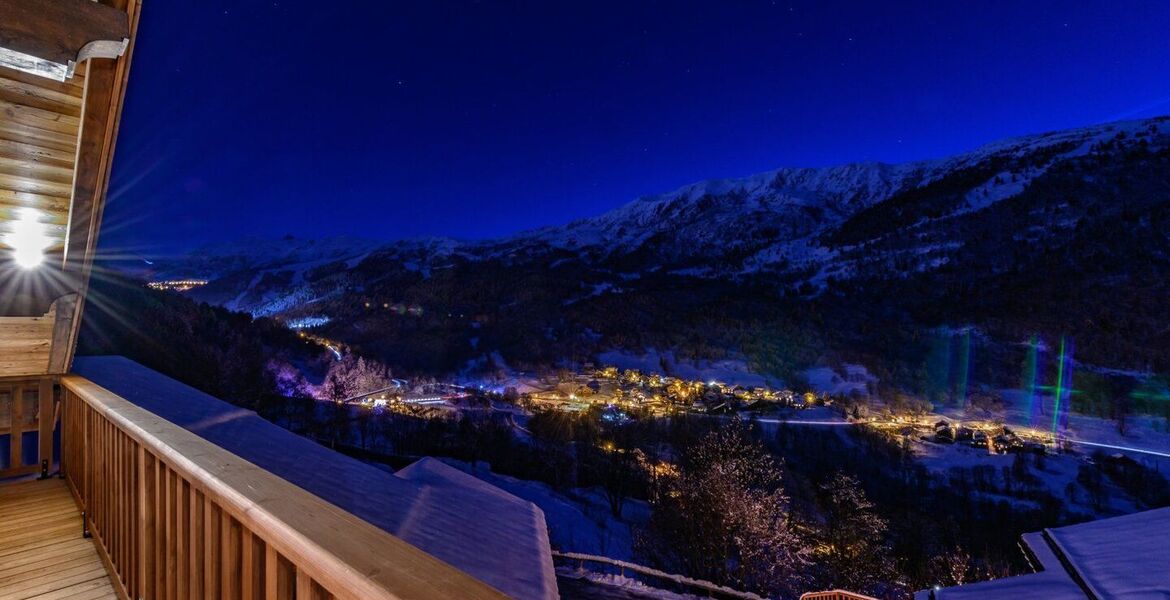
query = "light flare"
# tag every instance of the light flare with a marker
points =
(28, 239)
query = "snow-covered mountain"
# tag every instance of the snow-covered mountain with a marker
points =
(779, 221)
(255, 253)
(948, 240)
(775, 219)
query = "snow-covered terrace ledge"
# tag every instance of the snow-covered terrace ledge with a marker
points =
(171, 511)
(706, 587)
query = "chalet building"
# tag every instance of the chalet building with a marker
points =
(118, 482)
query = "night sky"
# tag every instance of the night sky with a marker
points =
(386, 119)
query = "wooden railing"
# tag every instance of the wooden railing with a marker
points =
(176, 516)
(835, 595)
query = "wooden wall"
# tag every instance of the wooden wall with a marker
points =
(25, 345)
(26, 407)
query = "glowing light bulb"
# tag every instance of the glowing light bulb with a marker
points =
(28, 239)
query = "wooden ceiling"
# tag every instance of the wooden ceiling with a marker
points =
(38, 145)
(56, 150)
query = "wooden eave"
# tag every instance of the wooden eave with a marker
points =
(64, 32)
(56, 152)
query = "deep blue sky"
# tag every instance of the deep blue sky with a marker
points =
(389, 119)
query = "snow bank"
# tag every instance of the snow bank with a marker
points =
(730, 371)
(825, 380)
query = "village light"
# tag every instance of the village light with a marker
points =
(28, 239)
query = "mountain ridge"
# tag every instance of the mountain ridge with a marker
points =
(829, 235)
(837, 191)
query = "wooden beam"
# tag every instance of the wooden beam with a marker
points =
(92, 165)
(66, 311)
(16, 429)
(105, 89)
(45, 419)
(63, 32)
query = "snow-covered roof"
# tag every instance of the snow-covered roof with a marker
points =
(1122, 557)
(480, 529)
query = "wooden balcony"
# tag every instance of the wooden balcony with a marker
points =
(174, 516)
(43, 553)
(835, 595)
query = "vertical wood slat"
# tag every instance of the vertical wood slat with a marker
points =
(229, 557)
(45, 423)
(146, 524)
(98, 515)
(224, 554)
(210, 548)
(97, 525)
(247, 566)
(195, 545)
(271, 566)
(167, 509)
(304, 585)
(182, 508)
(133, 524)
(118, 536)
(16, 428)
(159, 543)
(83, 422)
(128, 511)
(93, 498)
(101, 511)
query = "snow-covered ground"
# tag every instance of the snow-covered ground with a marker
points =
(825, 380)
(1056, 474)
(1146, 436)
(731, 371)
(587, 585)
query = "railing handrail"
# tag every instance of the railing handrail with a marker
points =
(342, 552)
(835, 595)
(706, 586)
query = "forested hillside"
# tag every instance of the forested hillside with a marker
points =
(1055, 235)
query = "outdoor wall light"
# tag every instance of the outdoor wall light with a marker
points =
(28, 238)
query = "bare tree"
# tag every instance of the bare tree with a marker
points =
(952, 567)
(852, 550)
(353, 375)
(725, 518)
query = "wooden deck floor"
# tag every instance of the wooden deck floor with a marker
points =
(42, 552)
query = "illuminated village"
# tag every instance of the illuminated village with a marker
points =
(618, 395)
(176, 285)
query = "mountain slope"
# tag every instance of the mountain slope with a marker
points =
(788, 266)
